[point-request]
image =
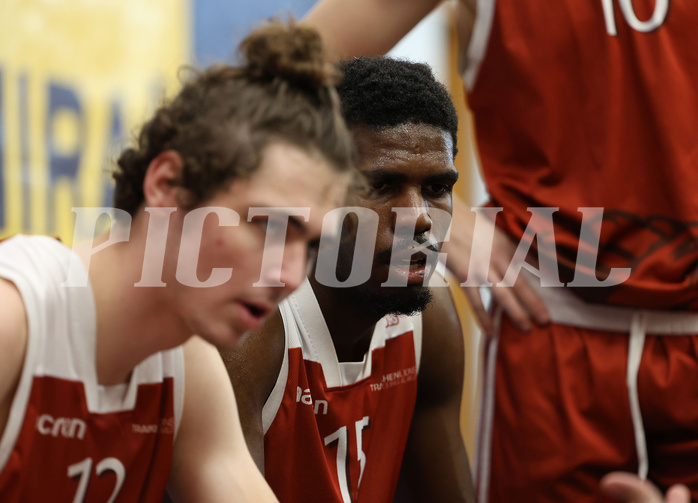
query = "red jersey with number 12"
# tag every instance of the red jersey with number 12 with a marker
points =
(68, 438)
(336, 432)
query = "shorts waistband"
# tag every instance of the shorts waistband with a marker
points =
(566, 308)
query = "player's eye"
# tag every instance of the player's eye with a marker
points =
(379, 186)
(260, 222)
(269, 225)
(439, 189)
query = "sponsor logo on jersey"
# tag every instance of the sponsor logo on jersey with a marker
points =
(391, 320)
(303, 396)
(396, 378)
(166, 427)
(66, 427)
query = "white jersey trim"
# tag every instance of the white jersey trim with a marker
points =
(309, 332)
(301, 317)
(273, 402)
(19, 401)
(417, 336)
(178, 385)
(351, 371)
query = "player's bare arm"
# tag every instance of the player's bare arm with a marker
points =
(13, 344)
(465, 12)
(253, 368)
(435, 466)
(211, 462)
(372, 27)
(520, 302)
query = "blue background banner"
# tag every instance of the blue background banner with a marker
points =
(220, 25)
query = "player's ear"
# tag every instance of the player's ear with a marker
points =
(162, 180)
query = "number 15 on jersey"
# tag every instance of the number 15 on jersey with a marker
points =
(340, 440)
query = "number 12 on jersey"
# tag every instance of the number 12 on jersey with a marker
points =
(661, 9)
(340, 439)
(83, 470)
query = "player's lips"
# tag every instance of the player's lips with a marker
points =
(253, 313)
(411, 268)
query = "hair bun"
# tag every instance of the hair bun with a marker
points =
(288, 51)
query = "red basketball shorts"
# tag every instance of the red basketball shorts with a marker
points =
(599, 389)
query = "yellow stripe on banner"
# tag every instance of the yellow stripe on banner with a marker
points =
(11, 199)
(78, 77)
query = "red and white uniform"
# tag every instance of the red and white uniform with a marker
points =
(591, 104)
(570, 116)
(67, 437)
(335, 432)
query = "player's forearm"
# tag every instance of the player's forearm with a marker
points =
(254, 437)
(219, 479)
(366, 27)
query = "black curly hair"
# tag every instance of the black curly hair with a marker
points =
(382, 91)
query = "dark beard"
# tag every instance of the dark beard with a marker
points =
(382, 304)
(409, 300)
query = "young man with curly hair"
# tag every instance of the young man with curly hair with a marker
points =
(104, 393)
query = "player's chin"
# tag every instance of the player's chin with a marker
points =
(404, 292)
(399, 300)
(225, 335)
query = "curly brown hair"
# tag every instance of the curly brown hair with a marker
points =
(224, 117)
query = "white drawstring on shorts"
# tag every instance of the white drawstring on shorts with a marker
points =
(638, 327)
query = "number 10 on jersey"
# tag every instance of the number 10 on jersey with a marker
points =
(661, 9)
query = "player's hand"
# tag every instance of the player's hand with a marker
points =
(520, 302)
(630, 488)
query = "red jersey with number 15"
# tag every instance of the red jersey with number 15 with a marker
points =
(336, 432)
(68, 438)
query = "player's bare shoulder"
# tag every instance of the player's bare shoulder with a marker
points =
(441, 315)
(443, 352)
(13, 344)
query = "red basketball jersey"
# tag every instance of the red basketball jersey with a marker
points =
(592, 103)
(68, 438)
(336, 432)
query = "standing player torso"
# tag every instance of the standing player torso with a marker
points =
(590, 104)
